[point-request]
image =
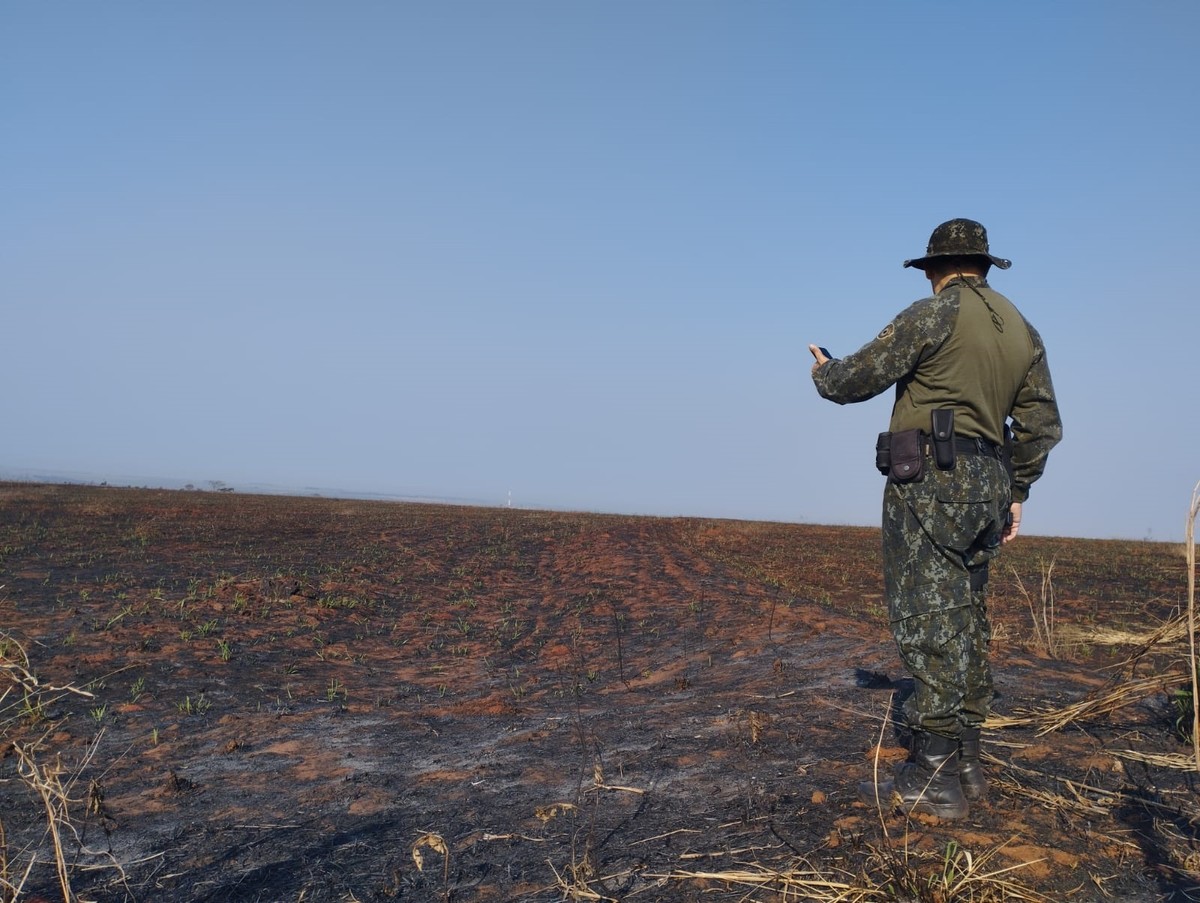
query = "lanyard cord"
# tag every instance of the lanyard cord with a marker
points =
(997, 320)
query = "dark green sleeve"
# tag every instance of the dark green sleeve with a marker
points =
(911, 337)
(1037, 427)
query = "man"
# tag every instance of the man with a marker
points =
(964, 363)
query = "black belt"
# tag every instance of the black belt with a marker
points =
(975, 446)
(964, 445)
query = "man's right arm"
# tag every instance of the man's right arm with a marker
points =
(911, 337)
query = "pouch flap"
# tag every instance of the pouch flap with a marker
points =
(908, 456)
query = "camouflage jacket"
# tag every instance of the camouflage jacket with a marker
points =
(966, 348)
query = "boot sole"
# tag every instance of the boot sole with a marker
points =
(922, 807)
(873, 795)
(887, 797)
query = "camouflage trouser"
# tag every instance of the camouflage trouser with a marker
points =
(938, 535)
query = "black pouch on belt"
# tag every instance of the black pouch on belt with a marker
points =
(883, 453)
(943, 438)
(908, 457)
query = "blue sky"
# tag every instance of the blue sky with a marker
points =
(575, 251)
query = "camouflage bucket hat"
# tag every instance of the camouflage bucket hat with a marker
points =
(958, 238)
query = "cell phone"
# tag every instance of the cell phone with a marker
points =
(825, 351)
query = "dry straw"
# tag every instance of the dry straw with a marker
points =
(1045, 626)
(1117, 695)
(886, 876)
(26, 699)
(1191, 566)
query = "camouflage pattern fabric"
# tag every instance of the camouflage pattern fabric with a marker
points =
(936, 534)
(967, 348)
(899, 353)
(958, 238)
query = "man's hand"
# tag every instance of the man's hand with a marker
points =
(819, 355)
(1014, 525)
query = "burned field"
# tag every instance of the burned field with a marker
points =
(217, 697)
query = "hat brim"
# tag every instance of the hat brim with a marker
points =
(921, 263)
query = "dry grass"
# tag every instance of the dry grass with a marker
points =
(955, 875)
(1191, 619)
(890, 872)
(1171, 632)
(1071, 797)
(884, 875)
(24, 700)
(1176, 761)
(1045, 628)
(1115, 696)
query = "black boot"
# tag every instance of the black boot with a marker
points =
(970, 769)
(929, 783)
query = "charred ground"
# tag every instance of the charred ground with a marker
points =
(302, 698)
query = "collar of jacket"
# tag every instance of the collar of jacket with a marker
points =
(966, 280)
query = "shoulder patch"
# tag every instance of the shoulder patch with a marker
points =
(888, 332)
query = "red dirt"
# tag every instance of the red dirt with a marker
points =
(299, 698)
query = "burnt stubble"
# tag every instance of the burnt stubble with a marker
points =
(323, 699)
